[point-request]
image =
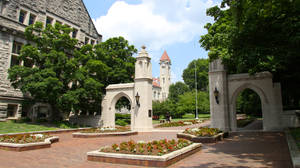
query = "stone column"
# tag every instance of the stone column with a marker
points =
(218, 107)
(143, 87)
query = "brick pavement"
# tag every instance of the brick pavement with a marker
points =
(242, 150)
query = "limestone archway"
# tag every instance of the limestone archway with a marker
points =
(233, 100)
(223, 111)
(113, 94)
(141, 112)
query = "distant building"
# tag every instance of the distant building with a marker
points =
(15, 16)
(161, 84)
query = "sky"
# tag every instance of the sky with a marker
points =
(171, 25)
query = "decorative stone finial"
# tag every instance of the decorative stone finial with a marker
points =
(143, 47)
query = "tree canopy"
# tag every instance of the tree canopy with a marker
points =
(201, 72)
(67, 76)
(177, 89)
(254, 35)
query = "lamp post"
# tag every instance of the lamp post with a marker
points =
(137, 99)
(216, 94)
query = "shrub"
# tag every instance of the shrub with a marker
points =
(121, 122)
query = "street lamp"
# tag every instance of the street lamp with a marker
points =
(137, 98)
(216, 94)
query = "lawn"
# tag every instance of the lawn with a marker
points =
(187, 116)
(13, 127)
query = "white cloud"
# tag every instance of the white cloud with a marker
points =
(155, 23)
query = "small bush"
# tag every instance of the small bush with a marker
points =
(121, 122)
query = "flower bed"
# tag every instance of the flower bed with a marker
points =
(100, 132)
(156, 153)
(26, 141)
(180, 123)
(202, 134)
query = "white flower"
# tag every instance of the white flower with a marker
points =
(187, 123)
(195, 129)
(38, 135)
(141, 142)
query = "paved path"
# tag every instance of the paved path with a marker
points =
(243, 150)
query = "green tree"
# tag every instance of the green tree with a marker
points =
(253, 36)
(164, 107)
(68, 77)
(117, 54)
(201, 71)
(177, 89)
(187, 103)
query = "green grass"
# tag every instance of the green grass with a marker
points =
(13, 127)
(295, 132)
(187, 116)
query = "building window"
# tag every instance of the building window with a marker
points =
(22, 16)
(15, 53)
(92, 42)
(49, 20)
(14, 60)
(86, 41)
(74, 33)
(32, 18)
(163, 80)
(16, 47)
(12, 110)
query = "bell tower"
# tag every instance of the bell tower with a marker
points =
(165, 75)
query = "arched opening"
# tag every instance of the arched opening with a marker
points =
(249, 110)
(123, 113)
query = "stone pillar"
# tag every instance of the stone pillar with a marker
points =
(218, 108)
(142, 114)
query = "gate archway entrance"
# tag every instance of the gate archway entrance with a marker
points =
(225, 88)
(141, 111)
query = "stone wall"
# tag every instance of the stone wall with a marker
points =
(90, 120)
(290, 119)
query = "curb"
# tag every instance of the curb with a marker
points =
(50, 131)
(294, 151)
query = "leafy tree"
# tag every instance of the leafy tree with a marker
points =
(248, 102)
(201, 71)
(253, 36)
(68, 77)
(177, 89)
(164, 107)
(187, 103)
(117, 54)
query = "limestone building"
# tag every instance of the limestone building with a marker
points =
(161, 84)
(15, 15)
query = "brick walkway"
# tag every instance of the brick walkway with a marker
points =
(242, 150)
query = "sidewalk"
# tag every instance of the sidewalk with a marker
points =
(244, 150)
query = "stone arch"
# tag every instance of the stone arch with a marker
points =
(253, 87)
(113, 94)
(233, 98)
(223, 104)
(118, 96)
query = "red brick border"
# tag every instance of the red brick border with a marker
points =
(93, 135)
(47, 132)
(31, 146)
(143, 162)
(193, 138)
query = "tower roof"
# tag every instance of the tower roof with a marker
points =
(165, 57)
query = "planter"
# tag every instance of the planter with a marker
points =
(28, 146)
(212, 139)
(93, 135)
(144, 160)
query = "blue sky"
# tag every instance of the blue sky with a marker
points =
(171, 25)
